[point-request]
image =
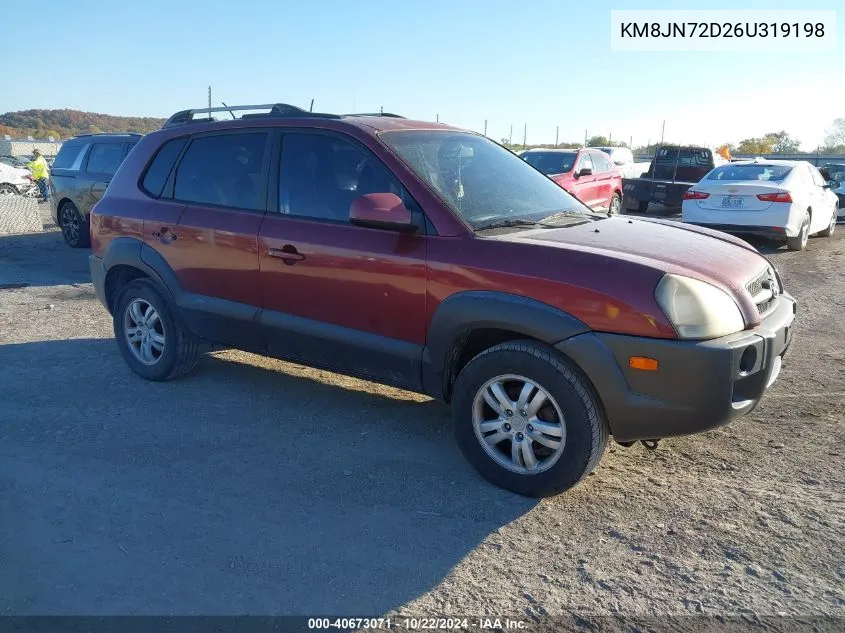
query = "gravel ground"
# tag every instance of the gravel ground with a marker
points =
(23, 215)
(256, 486)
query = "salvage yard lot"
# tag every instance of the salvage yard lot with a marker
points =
(256, 486)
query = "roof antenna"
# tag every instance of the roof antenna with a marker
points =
(311, 107)
(230, 112)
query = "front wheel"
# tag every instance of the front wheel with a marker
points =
(7, 190)
(526, 420)
(799, 242)
(828, 232)
(615, 205)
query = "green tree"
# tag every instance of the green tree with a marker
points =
(782, 143)
(834, 139)
(755, 146)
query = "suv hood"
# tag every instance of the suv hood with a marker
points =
(671, 247)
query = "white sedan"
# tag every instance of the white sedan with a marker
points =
(779, 199)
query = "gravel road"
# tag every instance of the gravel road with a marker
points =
(261, 487)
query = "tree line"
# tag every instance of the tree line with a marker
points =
(771, 143)
(63, 124)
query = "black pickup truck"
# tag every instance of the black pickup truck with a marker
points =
(673, 170)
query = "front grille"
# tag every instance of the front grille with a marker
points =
(764, 290)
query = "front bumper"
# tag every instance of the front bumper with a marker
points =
(98, 278)
(699, 385)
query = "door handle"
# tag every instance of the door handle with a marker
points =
(287, 253)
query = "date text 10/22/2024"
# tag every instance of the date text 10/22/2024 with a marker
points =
(416, 624)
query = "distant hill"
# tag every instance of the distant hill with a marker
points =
(63, 124)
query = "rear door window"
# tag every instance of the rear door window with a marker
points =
(224, 170)
(105, 158)
(68, 154)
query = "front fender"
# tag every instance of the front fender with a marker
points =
(462, 313)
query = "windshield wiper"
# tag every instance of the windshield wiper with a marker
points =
(499, 224)
(567, 218)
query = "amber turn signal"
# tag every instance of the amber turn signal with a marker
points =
(641, 362)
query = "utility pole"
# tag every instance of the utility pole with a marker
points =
(510, 136)
(610, 138)
(662, 129)
(631, 142)
(585, 138)
(524, 135)
(485, 127)
(557, 134)
(209, 96)
(438, 118)
(381, 109)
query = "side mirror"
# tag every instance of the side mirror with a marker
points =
(381, 211)
(586, 171)
(832, 184)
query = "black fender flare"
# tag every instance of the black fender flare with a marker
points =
(128, 251)
(461, 313)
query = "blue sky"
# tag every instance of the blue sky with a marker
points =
(543, 63)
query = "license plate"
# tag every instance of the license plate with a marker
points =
(731, 203)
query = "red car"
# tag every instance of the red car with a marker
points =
(430, 258)
(588, 174)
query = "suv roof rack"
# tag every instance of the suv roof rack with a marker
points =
(109, 134)
(274, 110)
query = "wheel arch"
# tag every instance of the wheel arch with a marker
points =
(127, 258)
(467, 323)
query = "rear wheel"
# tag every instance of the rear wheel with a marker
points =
(799, 242)
(526, 420)
(74, 227)
(828, 232)
(149, 334)
(615, 205)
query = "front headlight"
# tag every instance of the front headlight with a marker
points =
(697, 309)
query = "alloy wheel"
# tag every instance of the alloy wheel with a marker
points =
(519, 424)
(144, 331)
(70, 224)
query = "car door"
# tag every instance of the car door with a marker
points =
(103, 160)
(335, 295)
(823, 201)
(206, 229)
(585, 186)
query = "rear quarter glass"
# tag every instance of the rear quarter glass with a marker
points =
(68, 154)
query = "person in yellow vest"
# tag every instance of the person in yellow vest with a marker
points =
(40, 173)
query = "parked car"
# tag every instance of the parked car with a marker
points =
(779, 199)
(79, 176)
(834, 173)
(15, 181)
(586, 173)
(430, 258)
(672, 171)
(623, 158)
(13, 161)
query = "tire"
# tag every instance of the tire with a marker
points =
(8, 190)
(75, 228)
(583, 428)
(799, 242)
(831, 228)
(179, 349)
(615, 205)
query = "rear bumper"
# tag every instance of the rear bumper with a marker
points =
(699, 385)
(98, 278)
(770, 232)
(778, 221)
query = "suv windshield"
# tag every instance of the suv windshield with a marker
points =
(481, 181)
(550, 163)
(775, 173)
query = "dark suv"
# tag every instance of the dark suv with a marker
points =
(79, 176)
(430, 258)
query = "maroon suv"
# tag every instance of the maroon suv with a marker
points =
(430, 258)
